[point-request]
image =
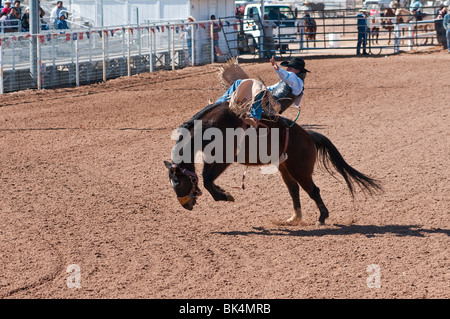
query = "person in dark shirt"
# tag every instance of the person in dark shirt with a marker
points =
(362, 32)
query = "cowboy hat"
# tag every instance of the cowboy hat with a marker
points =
(296, 63)
(362, 10)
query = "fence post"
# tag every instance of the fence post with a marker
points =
(193, 26)
(1, 66)
(138, 64)
(150, 49)
(39, 62)
(128, 52)
(211, 33)
(12, 76)
(53, 72)
(411, 39)
(104, 55)
(89, 70)
(77, 65)
(172, 48)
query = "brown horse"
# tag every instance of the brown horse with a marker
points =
(405, 16)
(387, 22)
(310, 30)
(302, 148)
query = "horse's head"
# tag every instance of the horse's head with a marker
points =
(185, 185)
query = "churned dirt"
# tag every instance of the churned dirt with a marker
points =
(83, 182)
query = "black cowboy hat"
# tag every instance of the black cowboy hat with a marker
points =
(296, 63)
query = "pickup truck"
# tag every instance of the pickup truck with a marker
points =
(281, 14)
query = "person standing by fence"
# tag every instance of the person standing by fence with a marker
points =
(446, 23)
(188, 33)
(362, 32)
(216, 29)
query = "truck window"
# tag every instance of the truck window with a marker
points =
(251, 12)
(279, 13)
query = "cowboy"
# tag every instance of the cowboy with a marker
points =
(416, 9)
(363, 29)
(288, 91)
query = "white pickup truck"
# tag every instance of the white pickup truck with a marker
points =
(281, 14)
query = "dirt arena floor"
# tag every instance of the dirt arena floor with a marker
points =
(83, 183)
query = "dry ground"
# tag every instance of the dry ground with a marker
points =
(83, 182)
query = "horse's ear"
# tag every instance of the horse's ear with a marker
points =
(168, 165)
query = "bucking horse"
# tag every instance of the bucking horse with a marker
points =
(299, 149)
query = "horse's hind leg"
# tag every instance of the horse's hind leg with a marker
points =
(306, 182)
(314, 192)
(294, 190)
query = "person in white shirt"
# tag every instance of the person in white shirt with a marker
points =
(269, 27)
(288, 91)
(56, 13)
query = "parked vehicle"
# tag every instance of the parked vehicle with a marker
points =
(383, 4)
(281, 14)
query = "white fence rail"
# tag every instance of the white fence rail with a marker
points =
(81, 56)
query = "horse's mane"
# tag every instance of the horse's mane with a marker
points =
(198, 116)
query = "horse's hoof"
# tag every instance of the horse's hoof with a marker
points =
(320, 223)
(229, 197)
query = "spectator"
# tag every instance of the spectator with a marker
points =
(7, 20)
(56, 13)
(188, 33)
(441, 12)
(44, 25)
(62, 23)
(416, 9)
(26, 20)
(216, 29)
(269, 44)
(18, 8)
(362, 32)
(446, 23)
(306, 8)
(7, 7)
(3, 17)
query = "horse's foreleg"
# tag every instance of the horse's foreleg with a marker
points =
(294, 190)
(210, 173)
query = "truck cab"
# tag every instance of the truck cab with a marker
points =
(281, 14)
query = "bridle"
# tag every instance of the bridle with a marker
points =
(194, 181)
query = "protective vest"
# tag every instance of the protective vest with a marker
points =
(283, 94)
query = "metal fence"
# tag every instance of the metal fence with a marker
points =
(82, 56)
(320, 31)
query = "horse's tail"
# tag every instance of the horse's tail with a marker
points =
(329, 153)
